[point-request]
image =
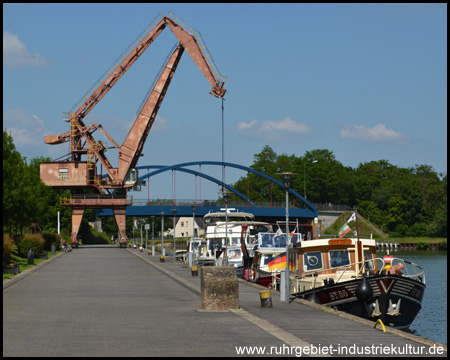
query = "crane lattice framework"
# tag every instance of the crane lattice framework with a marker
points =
(77, 174)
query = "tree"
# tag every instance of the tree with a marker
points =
(13, 172)
(26, 198)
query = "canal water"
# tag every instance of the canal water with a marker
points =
(431, 322)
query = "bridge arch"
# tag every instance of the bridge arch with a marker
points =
(181, 167)
(193, 172)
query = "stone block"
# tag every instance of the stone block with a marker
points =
(219, 288)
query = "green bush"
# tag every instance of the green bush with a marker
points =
(443, 245)
(29, 242)
(8, 248)
(418, 230)
(51, 238)
(422, 245)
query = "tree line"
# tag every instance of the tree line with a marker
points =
(401, 201)
(26, 199)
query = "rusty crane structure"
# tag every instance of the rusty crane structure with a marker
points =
(77, 170)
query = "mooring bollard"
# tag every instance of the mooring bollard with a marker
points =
(149, 252)
(161, 258)
(194, 271)
(266, 299)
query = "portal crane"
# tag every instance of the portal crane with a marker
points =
(75, 174)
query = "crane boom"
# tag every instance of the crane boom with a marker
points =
(121, 69)
(131, 149)
(134, 142)
(190, 43)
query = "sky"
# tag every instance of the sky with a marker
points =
(366, 81)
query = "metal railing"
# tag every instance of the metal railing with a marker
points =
(266, 204)
(93, 199)
(413, 271)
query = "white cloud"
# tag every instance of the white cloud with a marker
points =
(15, 53)
(272, 130)
(376, 134)
(160, 124)
(25, 128)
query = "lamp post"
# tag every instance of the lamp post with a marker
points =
(142, 239)
(162, 235)
(147, 226)
(153, 236)
(226, 195)
(174, 238)
(191, 253)
(193, 220)
(304, 176)
(287, 185)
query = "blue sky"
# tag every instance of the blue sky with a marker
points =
(365, 81)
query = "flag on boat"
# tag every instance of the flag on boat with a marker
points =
(344, 230)
(279, 262)
(353, 217)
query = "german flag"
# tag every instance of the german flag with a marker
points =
(278, 263)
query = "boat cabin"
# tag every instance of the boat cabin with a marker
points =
(327, 261)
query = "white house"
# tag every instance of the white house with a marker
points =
(183, 227)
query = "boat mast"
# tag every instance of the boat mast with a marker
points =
(359, 250)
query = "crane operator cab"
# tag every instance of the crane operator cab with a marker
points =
(131, 177)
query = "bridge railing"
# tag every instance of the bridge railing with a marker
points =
(220, 203)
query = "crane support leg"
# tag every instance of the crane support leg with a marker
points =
(77, 216)
(119, 214)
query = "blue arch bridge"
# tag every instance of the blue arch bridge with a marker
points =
(300, 210)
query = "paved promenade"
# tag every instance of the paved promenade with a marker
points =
(106, 301)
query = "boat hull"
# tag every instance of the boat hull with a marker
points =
(395, 300)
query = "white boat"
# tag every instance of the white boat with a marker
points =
(224, 234)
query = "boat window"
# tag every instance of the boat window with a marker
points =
(339, 258)
(312, 261)
(235, 241)
(233, 254)
(266, 239)
(369, 256)
(196, 244)
(296, 237)
(280, 241)
(272, 240)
